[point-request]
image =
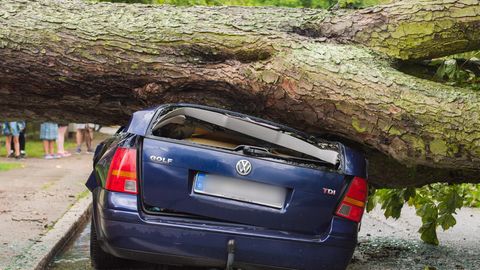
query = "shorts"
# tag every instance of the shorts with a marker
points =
(48, 131)
(11, 129)
(84, 126)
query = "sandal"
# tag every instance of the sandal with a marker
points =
(64, 154)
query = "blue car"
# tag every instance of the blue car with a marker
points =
(196, 186)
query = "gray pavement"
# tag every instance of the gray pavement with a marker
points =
(34, 197)
(395, 244)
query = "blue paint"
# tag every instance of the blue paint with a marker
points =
(303, 235)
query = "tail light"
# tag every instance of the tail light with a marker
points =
(353, 203)
(122, 175)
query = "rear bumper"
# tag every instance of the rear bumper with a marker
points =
(124, 232)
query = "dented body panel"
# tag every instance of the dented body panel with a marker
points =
(177, 218)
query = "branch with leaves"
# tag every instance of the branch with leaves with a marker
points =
(435, 204)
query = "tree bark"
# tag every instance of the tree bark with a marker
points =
(405, 30)
(100, 62)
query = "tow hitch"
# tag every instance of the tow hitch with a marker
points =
(231, 254)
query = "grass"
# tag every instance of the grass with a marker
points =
(34, 148)
(82, 195)
(9, 166)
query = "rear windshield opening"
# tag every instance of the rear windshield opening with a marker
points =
(195, 131)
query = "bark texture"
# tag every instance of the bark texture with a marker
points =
(406, 30)
(101, 62)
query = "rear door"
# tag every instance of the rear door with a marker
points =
(181, 177)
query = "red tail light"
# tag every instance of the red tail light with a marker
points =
(122, 175)
(353, 203)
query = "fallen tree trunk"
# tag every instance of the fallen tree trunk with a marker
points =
(100, 62)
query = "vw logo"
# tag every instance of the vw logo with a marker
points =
(243, 167)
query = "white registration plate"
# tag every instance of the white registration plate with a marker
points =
(240, 190)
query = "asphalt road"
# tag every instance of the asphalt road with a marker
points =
(383, 244)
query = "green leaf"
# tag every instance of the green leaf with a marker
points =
(428, 211)
(447, 221)
(372, 199)
(371, 203)
(409, 193)
(454, 200)
(392, 202)
(428, 233)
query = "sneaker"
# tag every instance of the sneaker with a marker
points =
(11, 155)
(48, 157)
(78, 151)
(18, 157)
(23, 155)
(64, 154)
(89, 151)
(57, 156)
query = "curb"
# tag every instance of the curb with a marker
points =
(39, 255)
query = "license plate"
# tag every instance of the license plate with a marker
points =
(240, 190)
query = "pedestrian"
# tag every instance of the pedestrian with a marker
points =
(12, 132)
(62, 130)
(84, 133)
(48, 134)
(21, 138)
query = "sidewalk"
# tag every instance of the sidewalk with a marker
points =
(33, 198)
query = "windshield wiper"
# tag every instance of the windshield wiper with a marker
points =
(256, 151)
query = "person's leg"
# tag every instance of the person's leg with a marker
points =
(45, 148)
(88, 139)
(15, 132)
(91, 129)
(51, 146)
(21, 139)
(79, 139)
(8, 144)
(61, 140)
(16, 144)
(85, 137)
(91, 138)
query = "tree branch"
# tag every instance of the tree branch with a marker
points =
(407, 30)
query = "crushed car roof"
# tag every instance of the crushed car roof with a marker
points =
(254, 127)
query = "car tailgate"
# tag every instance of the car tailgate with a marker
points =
(170, 172)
